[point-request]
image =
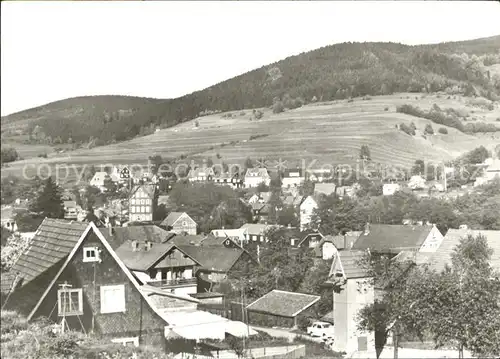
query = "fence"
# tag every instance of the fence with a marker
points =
(284, 352)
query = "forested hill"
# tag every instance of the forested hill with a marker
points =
(332, 72)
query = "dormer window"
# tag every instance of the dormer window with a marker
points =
(90, 254)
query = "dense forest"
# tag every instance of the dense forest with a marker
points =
(333, 72)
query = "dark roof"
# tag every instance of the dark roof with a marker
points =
(214, 258)
(151, 233)
(206, 295)
(53, 241)
(171, 218)
(187, 239)
(284, 304)
(142, 259)
(7, 279)
(349, 262)
(392, 238)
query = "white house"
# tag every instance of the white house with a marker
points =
(98, 180)
(255, 176)
(307, 208)
(292, 178)
(201, 174)
(390, 188)
(239, 235)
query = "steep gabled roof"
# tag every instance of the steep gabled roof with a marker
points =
(385, 238)
(172, 218)
(149, 189)
(442, 256)
(187, 240)
(348, 262)
(92, 227)
(284, 304)
(53, 241)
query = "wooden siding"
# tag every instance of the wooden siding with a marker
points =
(138, 319)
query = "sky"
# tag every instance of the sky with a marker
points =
(52, 50)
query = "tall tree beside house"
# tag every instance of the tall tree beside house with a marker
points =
(364, 153)
(49, 203)
(472, 298)
(275, 207)
(248, 163)
(88, 173)
(314, 281)
(418, 168)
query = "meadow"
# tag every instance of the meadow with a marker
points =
(328, 132)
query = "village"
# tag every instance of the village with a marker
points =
(122, 259)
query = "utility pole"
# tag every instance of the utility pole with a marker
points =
(64, 286)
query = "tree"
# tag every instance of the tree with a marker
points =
(89, 173)
(428, 129)
(418, 168)
(9, 154)
(275, 207)
(364, 153)
(443, 130)
(262, 187)
(109, 185)
(48, 202)
(210, 162)
(248, 163)
(278, 107)
(470, 318)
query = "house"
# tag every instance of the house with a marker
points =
(161, 265)
(77, 277)
(392, 239)
(491, 172)
(142, 203)
(180, 222)
(307, 208)
(238, 235)
(216, 260)
(256, 232)
(280, 308)
(255, 176)
(71, 209)
(7, 218)
(388, 189)
(226, 179)
(329, 246)
(416, 182)
(99, 180)
(304, 239)
(201, 174)
(124, 174)
(442, 256)
(347, 191)
(292, 178)
(352, 291)
(72, 273)
(326, 189)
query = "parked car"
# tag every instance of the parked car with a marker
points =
(320, 329)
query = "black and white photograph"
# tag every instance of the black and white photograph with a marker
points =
(250, 179)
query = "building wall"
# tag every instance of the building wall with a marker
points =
(138, 319)
(141, 206)
(329, 250)
(354, 295)
(433, 241)
(251, 181)
(292, 181)
(306, 211)
(269, 320)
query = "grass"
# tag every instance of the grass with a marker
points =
(330, 133)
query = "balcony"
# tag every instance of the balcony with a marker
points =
(182, 282)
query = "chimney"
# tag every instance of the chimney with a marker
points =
(135, 246)
(367, 228)
(111, 229)
(345, 240)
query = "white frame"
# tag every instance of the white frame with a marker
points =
(80, 301)
(87, 259)
(116, 308)
(124, 341)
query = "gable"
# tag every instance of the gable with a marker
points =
(183, 217)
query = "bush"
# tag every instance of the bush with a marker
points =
(428, 129)
(407, 129)
(258, 114)
(196, 123)
(386, 109)
(350, 100)
(435, 115)
(278, 107)
(42, 155)
(443, 130)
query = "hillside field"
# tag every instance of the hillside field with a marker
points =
(330, 133)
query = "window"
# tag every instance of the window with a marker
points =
(184, 223)
(90, 254)
(112, 298)
(128, 342)
(70, 302)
